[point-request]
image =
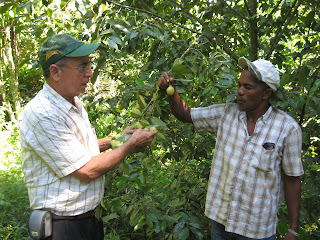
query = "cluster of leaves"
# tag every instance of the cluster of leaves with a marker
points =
(14, 204)
(159, 193)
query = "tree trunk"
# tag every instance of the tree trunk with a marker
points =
(9, 72)
(254, 45)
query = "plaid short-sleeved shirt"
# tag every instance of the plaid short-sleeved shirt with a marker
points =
(245, 188)
(56, 140)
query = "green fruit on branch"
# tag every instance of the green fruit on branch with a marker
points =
(152, 128)
(170, 90)
(115, 143)
(119, 139)
(137, 125)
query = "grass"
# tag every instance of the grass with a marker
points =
(14, 206)
(14, 202)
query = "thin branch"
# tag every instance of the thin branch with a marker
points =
(314, 75)
(218, 40)
(150, 10)
(285, 23)
(271, 13)
(236, 12)
(246, 37)
(253, 30)
(145, 5)
(153, 14)
(247, 8)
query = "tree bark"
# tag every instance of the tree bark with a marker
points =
(9, 71)
(253, 30)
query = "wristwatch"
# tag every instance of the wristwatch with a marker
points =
(294, 232)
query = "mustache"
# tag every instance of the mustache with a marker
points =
(240, 99)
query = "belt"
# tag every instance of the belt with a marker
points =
(77, 217)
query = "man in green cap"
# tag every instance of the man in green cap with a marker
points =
(63, 161)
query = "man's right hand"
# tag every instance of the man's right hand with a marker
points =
(142, 137)
(164, 80)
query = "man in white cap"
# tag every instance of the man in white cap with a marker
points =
(257, 158)
(63, 167)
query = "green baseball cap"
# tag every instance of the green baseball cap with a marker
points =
(63, 45)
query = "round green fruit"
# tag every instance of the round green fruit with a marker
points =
(152, 128)
(170, 90)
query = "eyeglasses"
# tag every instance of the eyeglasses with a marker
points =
(82, 69)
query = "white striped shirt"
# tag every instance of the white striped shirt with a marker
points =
(56, 140)
(245, 188)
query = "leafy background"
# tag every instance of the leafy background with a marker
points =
(159, 193)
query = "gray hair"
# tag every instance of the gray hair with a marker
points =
(61, 64)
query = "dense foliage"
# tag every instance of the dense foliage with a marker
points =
(159, 193)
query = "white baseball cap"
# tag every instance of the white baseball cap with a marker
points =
(263, 70)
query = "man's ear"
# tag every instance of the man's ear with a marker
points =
(267, 93)
(55, 72)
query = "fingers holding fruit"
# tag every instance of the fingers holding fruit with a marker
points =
(165, 80)
(143, 137)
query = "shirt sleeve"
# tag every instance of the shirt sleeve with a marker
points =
(208, 118)
(292, 162)
(58, 146)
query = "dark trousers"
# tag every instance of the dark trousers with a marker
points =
(218, 233)
(77, 229)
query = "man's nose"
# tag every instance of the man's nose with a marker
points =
(240, 90)
(89, 72)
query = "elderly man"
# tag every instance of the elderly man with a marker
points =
(64, 169)
(257, 157)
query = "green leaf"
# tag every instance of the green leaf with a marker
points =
(122, 28)
(163, 226)
(149, 221)
(184, 234)
(111, 43)
(197, 233)
(160, 137)
(169, 218)
(197, 191)
(287, 78)
(134, 217)
(158, 123)
(177, 62)
(115, 205)
(142, 178)
(303, 75)
(116, 39)
(178, 202)
(154, 215)
(109, 217)
(133, 34)
(107, 32)
(133, 176)
(178, 226)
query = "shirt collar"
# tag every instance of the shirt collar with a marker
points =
(267, 114)
(63, 103)
(264, 117)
